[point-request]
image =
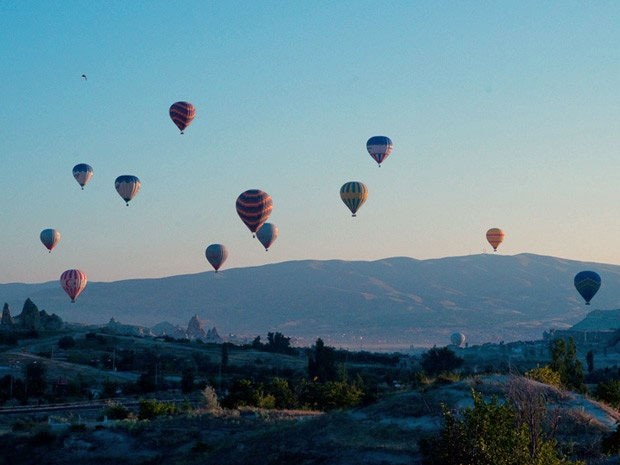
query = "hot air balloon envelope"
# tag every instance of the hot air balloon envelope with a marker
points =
(458, 339)
(127, 187)
(182, 114)
(254, 207)
(216, 255)
(50, 238)
(379, 148)
(354, 194)
(587, 284)
(73, 282)
(267, 234)
(495, 236)
(82, 173)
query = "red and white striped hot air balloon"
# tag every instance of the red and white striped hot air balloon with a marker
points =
(73, 282)
(495, 236)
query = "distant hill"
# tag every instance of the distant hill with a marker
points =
(599, 320)
(390, 302)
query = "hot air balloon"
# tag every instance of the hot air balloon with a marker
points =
(127, 187)
(216, 255)
(495, 236)
(458, 339)
(267, 234)
(587, 284)
(379, 148)
(50, 238)
(73, 282)
(182, 114)
(82, 173)
(254, 207)
(354, 194)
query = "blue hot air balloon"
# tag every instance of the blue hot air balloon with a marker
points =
(587, 284)
(267, 233)
(216, 255)
(379, 148)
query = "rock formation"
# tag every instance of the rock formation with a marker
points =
(195, 329)
(7, 323)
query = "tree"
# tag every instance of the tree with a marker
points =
(224, 360)
(441, 360)
(590, 361)
(322, 363)
(66, 342)
(256, 344)
(489, 433)
(277, 342)
(187, 380)
(109, 389)
(564, 361)
(146, 382)
(35, 378)
(609, 392)
(281, 392)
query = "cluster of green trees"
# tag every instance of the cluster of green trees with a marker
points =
(324, 388)
(276, 343)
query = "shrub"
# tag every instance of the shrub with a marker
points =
(488, 433)
(545, 375)
(330, 396)
(611, 443)
(609, 391)
(210, 400)
(151, 408)
(116, 411)
(23, 425)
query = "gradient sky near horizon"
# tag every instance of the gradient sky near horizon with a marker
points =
(503, 114)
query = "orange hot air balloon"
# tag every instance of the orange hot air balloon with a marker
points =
(495, 236)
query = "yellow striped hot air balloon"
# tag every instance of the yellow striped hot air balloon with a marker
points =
(354, 194)
(495, 236)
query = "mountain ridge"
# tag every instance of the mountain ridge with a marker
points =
(395, 300)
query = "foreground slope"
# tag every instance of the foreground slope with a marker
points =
(385, 433)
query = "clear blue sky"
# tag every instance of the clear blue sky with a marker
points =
(502, 114)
